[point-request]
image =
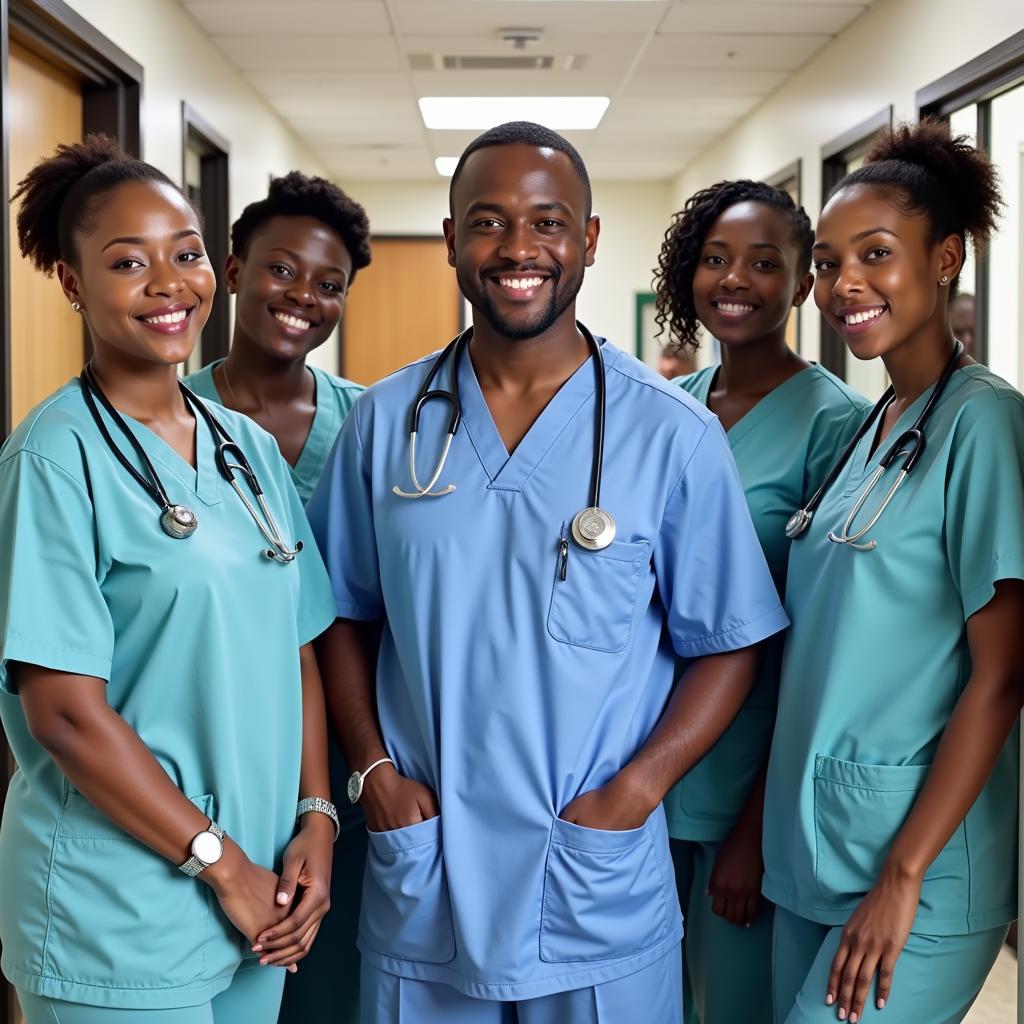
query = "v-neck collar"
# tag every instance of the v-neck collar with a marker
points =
(510, 472)
(763, 408)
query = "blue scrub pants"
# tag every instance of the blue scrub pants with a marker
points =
(253, 997)
(716, 954)
(937, 977)
(653, 995)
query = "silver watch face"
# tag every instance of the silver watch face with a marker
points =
(355, 787)
(207, 847)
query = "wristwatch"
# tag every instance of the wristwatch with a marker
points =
(207, 849)
(356, 780)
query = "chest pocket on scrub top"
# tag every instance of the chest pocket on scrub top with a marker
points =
(594, 593)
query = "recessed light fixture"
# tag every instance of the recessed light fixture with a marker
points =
(477, 113)
(446, 165)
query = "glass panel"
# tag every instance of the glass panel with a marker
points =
(1006, 266)
(962, 311)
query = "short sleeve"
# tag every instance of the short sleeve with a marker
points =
(984, 522)
(316, 606)
(714, 582)
(52, 611)
(341, 514)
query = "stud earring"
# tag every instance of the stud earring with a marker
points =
(76, 307)
(945, 280)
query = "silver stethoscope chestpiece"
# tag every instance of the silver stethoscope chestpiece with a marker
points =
(798, 523)
(593, 529)
(179, 521)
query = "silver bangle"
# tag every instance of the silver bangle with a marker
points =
(321, 806)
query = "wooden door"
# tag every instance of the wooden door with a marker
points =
(46, 337)
(405, 304)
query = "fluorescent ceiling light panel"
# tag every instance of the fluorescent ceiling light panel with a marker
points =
(446, 165)
(477, 113)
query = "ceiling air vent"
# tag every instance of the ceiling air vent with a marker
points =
(488, 62)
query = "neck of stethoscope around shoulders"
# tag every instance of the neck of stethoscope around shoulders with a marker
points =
(909, 445)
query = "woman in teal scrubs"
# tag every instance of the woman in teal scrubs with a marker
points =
(293, 258)
(890, 837)
(159, 690)
(736, 261)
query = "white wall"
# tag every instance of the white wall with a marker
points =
(634, 216)
(884, 57)
(181, 63)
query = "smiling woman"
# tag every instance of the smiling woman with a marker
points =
(116, 625)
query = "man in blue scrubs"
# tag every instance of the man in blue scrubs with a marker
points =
(519, 683)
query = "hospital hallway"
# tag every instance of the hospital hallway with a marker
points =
(379, 98)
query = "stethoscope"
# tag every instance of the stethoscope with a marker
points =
(592, 528)
(909, 446)
(179, 521)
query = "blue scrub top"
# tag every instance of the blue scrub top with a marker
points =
(784, 447)
(198, 641)
(335, 397)
(877, 659)
(510, 690)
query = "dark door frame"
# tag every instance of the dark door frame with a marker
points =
(978, 81)
(111, 103)
(214, 149)
(836, 156)
(791, 174)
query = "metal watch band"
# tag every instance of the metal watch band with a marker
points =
(320, 805)
(193, 866)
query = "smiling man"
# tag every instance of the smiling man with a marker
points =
(511, 599)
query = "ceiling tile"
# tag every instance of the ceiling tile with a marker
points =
(704, 83)
(341, 84)
(769, 18)
(750, 52)
(321, 17)
(312, 54)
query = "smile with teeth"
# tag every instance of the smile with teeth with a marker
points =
(520, 283)
(863, 316)
(293, 321)
(168, 318)
(734, 307)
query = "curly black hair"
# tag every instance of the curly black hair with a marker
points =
(925, 170)
(61, 194)
(684, 238)
(527, 133)
(299, 195)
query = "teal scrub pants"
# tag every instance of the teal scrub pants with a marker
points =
(727, 969)
(937, 977)
(253, 997)
(325, 990)
(652, 995)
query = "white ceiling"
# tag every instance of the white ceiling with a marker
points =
(679, 72)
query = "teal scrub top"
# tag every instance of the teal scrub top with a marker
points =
(877, 658)
(198, 641)
(517, 670)
(335, 397)
(784, 447)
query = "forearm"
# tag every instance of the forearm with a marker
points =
(347, 656)
(970, 745)
(104, 758)
(314, 779)
(705, 700)
(751, 817)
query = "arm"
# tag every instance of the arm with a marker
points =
(878, 929)
(735, 882)
(347, 653)
(104, 758)
(309, 857)
(705, 700)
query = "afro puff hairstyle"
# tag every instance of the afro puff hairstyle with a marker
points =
(684, 239)
(298, 195)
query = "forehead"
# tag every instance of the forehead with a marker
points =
(752, 221)
(519, 174)
(860, 207)
(140, 209)
(305, 236)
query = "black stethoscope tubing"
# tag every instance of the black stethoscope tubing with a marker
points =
(455, 350)
(914, 436)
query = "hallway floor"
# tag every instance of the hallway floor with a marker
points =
(997, 1003)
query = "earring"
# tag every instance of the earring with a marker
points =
(945, 280)
(76, 307)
